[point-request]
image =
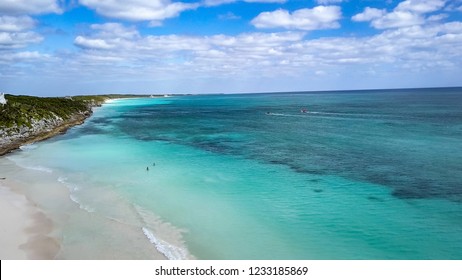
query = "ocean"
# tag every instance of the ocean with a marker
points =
(311, 175)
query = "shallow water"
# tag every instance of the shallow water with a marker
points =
(360, 175)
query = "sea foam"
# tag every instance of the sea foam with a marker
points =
(28, 147)
(170, 251)
(166, 238)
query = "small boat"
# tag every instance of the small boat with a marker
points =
(304, 110)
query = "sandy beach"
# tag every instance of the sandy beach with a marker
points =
(40, 221)
(25, 228)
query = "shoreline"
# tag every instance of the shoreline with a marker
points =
(43, 135)
(26, 228)
(19, 139)
(50, 130)
(32, 230)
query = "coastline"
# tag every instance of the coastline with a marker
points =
(33, 230)
(25, 228)
(12, 139)
(43, 135)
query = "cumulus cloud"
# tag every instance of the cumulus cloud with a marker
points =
(211, 3)
(115, 55)
(110, 30)
(15, 24)
(265, 1)
(15, 32)
(369, 14)
(320, 17)
(25, 56)
(327, 2)
(13, 40)
(138, 10)
(88, 43)
(108, 36)
(406, 13)
(126, 40)
(266, 54)
(398, 19)
(421, 6)
(23, 7)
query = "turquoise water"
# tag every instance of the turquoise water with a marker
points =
(360, 175)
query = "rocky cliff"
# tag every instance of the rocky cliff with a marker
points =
(26, 119)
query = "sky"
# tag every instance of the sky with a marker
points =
(68, 47)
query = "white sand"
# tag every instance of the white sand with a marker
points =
(24, 228)
(14, 220)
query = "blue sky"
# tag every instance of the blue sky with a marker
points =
(57, 47)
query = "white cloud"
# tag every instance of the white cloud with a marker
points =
(327, 2)
(406, 13)
(127, 41)
(15, 40)
(211, 3)
(398, 19)
(8, 58)
(88, 43)
(265, 1)
(110, 30)
(320, 17)
(22, 7)
(15, 24)
(369, 14)
(269, 54)
(108, 36)
(15, 32)
(438, 17)
(109, 54)
(27, 55)
(138, 10)
(421, 6)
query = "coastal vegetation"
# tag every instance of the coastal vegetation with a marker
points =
(22, 110)
(25, 119)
